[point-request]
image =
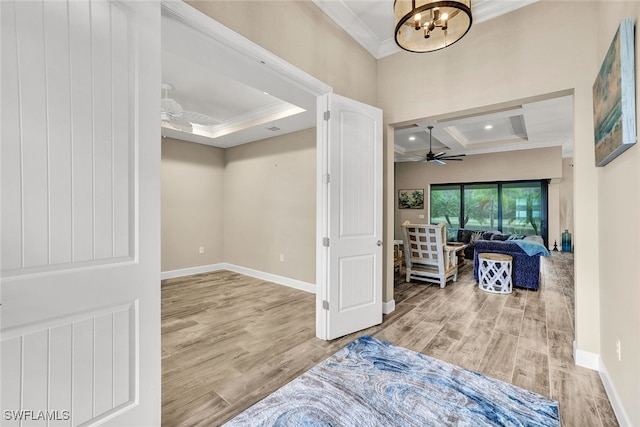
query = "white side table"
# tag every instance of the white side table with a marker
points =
(494, 271)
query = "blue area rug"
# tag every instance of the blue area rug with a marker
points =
(374, 383)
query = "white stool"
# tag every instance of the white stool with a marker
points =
(494, 271)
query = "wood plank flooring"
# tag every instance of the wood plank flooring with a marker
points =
(229, 340)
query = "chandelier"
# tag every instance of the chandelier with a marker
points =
(428, 25)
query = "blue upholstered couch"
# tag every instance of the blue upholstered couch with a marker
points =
(525, 267)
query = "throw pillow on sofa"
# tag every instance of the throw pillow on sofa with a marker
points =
(500, 237)
(488, 234)
(516, 237)
(476, 235)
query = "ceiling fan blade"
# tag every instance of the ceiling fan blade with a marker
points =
(438, 161)
(199, 118)
(442, 153)
(408, 157)
(177, 123)
(452, 159)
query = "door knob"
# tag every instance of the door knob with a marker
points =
(379, 243)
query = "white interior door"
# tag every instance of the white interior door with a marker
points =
(80, 213)
(349, 296)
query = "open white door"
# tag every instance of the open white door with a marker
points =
(349, 296)
(80, 213)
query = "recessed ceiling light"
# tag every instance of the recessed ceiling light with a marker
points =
(487, 127)
(412, 138)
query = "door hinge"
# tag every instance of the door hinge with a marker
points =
(327, 115)
(326, 178)
(325, 242)
(325, 305)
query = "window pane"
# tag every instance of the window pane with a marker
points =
(481, 206)
(522, 208)
(445, 205)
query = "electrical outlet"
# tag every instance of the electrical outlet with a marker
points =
(201, 249)
(281, 257)
(618, 349)
(421, 216)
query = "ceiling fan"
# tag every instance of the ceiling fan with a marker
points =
(173, 115)
(440, 157)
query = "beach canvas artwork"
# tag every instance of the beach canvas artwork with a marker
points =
(614, 112)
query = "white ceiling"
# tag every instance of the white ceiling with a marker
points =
(249, 102)
(252, 104)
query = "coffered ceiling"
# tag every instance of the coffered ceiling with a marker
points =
(533, 124)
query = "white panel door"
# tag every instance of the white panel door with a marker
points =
(80, 200)
(350, 280)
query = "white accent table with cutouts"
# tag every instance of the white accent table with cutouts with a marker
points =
(495, 273)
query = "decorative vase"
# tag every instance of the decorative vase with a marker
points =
(566, 241)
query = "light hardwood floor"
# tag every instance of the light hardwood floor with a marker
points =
(229, 340)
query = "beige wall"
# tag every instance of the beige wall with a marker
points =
(245, 205)
(618, 186)
(543, 163)
(270, 205)
(192, 214)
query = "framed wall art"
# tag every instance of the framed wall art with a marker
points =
(614, 106)
(411, 199)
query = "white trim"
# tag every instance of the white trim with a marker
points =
(387, 47)
(342, 15)
(586, 359)
(388, 306)
(322, 215)
(172, 274)
(616, 403)
(279, 280)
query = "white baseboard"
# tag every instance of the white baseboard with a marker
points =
(280, 280)
(172, 274)
(593, 361)
(586, 359)
(388, 307)
(616, 403)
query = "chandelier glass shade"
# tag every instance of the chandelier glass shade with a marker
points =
(428, 25)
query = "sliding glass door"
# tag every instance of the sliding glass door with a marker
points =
(445, 205)
(522, 208)
(515, 207)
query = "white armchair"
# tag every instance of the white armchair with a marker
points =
(427, 257)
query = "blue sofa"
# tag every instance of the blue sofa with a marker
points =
(525, 267)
